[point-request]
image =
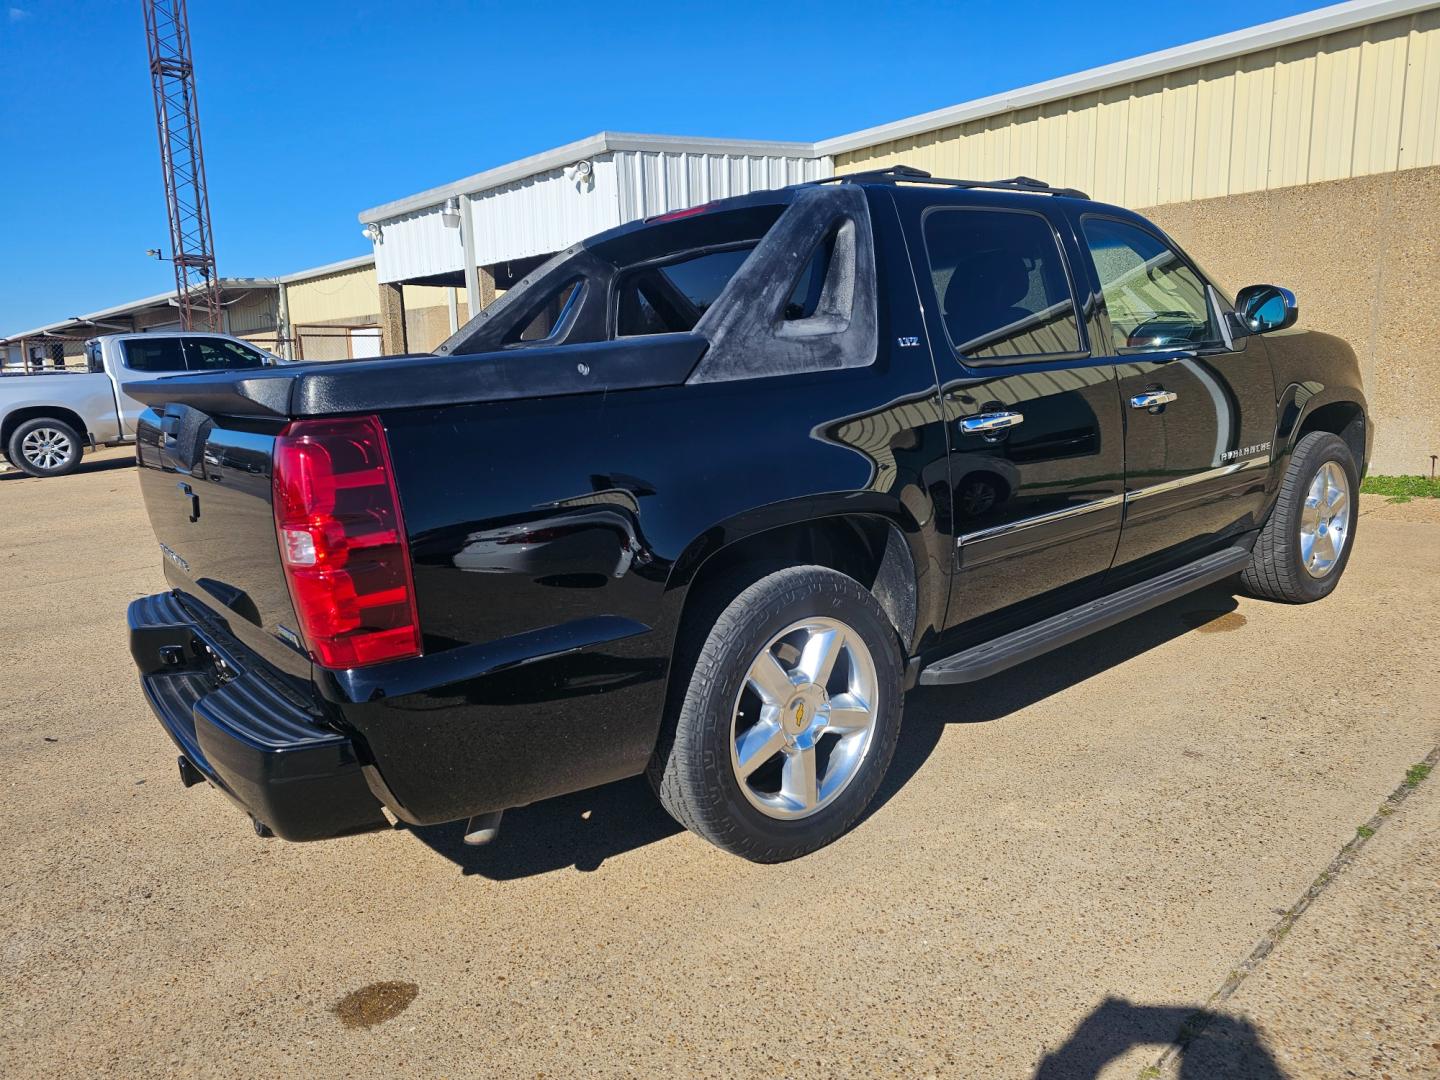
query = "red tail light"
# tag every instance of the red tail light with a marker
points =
(342, 541)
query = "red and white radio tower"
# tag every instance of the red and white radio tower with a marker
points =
(177, 119)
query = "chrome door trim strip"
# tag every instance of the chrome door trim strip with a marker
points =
(1114, 500)
(1196, 478)
(1040, 519)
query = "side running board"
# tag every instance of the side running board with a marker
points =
(982, 661)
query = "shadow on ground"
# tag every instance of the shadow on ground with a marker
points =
(86, 466)
(580, 830)
(1230, 1047)
(584, 829)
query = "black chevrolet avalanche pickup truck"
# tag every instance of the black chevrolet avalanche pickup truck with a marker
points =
(704, 495)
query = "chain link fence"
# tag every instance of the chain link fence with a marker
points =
(324, 342)
(34, 356)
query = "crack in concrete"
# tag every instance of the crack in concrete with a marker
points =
(1200, 1019)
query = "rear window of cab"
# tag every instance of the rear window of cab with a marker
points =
(1001, 283)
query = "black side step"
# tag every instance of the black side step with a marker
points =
(985, 660)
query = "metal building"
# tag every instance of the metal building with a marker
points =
(248, 310)
(1348, 90)
(332, 312)
(488, 230)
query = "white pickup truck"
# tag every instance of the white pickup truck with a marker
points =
(47, 419)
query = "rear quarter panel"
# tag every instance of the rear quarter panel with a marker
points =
(553, 541)
(88, 395)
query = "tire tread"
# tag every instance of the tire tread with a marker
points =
(683, 770)
(1275, 571)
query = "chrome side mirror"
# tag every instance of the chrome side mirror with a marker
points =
(1263, 308)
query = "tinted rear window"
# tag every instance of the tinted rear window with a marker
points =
(1000, 283)
(157, 354)
(671, 298)
(218, 354)
(655, 279)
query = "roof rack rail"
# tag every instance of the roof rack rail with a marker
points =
(906, 174)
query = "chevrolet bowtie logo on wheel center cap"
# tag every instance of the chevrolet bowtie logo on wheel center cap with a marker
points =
(798, 716)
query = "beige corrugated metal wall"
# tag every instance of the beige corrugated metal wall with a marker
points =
(251, 312)
(349, 298)
(1348, 104)
(346, 295)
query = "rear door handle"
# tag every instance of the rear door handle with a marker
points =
(1153, 398)
(994, 421)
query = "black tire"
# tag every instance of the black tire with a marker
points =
(1277, 569)
(15, 449)
(691, 770)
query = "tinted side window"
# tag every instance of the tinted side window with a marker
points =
(159, 354)
(217, 354)
(1001, 284)
(1153, 299)
(671, 298)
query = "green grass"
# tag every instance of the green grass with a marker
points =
(1365, 832)
(1415, 774)
(1401, 488)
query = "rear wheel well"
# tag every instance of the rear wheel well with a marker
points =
(868, 549)
(38, 412)
(1343, 418)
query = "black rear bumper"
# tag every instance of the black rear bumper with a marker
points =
(249, 736)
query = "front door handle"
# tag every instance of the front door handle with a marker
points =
(993, 421)
(1152, 399)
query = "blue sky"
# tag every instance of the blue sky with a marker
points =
(313, 110)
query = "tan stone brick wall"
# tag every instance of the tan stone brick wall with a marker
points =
(1363, 257)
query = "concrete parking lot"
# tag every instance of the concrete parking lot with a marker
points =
(1140, 853)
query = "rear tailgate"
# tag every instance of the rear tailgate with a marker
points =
(206, 449)
(206, 481)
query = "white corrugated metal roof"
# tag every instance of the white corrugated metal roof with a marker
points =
(560, 156)
(548, 210)
(1326, 20)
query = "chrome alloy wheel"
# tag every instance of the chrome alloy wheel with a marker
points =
(1325, 520)
(804, 719)
(47, 448)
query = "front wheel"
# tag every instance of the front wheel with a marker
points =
(45, 447)
(789, 720)
(1305, 545)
